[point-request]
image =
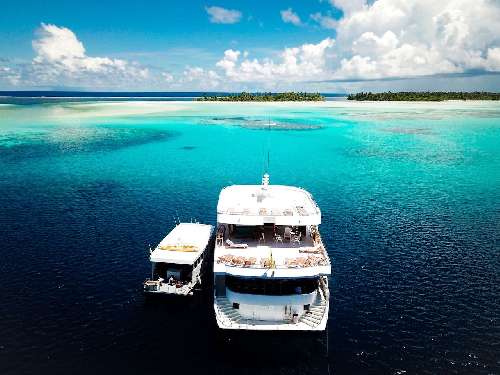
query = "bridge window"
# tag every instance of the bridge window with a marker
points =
(274, 287)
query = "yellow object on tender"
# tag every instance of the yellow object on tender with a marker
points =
(183, 248)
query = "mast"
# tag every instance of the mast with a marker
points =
(265, 177)
(268, 141)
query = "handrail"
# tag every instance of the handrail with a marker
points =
(278, 267)
(284, 212)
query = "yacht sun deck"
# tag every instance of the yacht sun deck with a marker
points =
(178, 259)
(259, 204)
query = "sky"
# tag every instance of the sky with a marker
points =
(236, 45)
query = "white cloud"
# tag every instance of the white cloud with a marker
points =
(200, 78)
(493, 59)
(348, 6)
(325, 22)
(222, 15)
(228, 63)
(289, 16)
(9, 75)
(394, 38)
(56, 43)
(369, 43)
(167, 77)
(61, 59)
(386, 39)
(297, 64)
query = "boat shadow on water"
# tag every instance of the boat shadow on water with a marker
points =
(251, 352)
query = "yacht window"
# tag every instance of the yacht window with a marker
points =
(271, 286)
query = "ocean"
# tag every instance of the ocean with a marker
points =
(410, 201)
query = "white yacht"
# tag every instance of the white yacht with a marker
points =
(177, 261)
(270, 266)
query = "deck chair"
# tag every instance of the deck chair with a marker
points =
(233, 245)
(296, 238)
(288, 234)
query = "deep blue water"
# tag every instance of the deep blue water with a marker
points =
(411, 211)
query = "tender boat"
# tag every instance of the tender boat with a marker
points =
(270, 265)
(177, 261)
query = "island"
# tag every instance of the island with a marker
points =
(434, 96)
(265, 97)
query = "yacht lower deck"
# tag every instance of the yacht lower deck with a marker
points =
(229, 313)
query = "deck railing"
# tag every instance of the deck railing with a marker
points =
(298, 210)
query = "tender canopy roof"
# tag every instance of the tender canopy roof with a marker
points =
(183, 245)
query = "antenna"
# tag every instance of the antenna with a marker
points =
(267, 161)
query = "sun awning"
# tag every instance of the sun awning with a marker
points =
(183, 245)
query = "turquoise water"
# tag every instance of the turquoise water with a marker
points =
(409, 194)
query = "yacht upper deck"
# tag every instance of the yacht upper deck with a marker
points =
(261, 204)
(255, 250)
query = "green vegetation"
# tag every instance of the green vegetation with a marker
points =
(266, 97)
(435, 96)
